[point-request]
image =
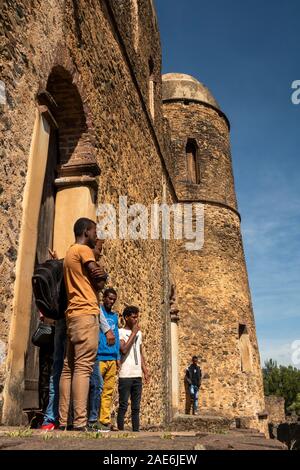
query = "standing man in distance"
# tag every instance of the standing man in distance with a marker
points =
(193, 377)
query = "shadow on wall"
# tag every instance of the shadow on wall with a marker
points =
(288, 433)
(74, 138)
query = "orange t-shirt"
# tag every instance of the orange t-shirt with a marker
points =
(82, 297)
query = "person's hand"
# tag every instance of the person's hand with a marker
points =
(118, 365)
(135, 328)
(146, 377)
(97, 273)
(52, 253)
(110, 338)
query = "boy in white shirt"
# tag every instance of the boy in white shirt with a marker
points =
(132, 368)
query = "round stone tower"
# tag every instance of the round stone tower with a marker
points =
(213, 296)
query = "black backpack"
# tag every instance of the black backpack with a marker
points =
(49, 289)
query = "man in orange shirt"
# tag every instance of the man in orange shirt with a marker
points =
(82, 323)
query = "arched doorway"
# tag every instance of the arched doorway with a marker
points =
(60, 187)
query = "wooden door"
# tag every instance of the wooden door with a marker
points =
(44, 241)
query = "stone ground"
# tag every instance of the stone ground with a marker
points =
(16, 438)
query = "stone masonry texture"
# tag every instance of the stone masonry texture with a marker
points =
(213, 295)
(275, 409)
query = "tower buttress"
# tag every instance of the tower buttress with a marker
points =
(213, 295)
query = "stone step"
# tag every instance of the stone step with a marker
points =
(237, 440)
(204, 423)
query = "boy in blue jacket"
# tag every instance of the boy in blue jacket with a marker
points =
(109, 357)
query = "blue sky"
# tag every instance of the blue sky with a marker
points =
(247, 53)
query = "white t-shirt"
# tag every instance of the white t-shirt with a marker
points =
(131, 364)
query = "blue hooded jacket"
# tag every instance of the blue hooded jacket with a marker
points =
(105, 352)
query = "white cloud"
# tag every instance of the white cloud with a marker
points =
(280, 350)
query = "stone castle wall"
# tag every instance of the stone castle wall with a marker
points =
(275, 409)
(213, 295)
(209, 129)
(101, 62)
(78, 44)
(213, 299)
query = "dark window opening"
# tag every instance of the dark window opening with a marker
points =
(193, 173)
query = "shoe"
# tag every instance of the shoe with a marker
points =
(113, 428)
(48, 427)
(62, 428)
(103, 427)
(81, 429)
(93, 426)
(96, 426)
(90, 424)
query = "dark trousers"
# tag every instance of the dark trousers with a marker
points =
(45, 366)
(131, 387)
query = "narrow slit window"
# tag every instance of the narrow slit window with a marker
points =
(192, 162)
(135, 24)
(151, 88)
(245, 349)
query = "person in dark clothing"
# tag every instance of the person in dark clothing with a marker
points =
(45, 367)
(193, 377)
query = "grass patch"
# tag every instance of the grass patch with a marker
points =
(167, 435)
(91, 435)
(124, 435)
(69, 435)
(47, 436)
(25, 432)
(86, 435)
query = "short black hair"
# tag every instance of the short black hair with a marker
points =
(81, 225)
(194, 357)
(128, 311)
(108, 291)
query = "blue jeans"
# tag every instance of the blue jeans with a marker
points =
(194, 392)
(96, 387)
(60, 336)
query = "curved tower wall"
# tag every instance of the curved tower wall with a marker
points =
(213, 296)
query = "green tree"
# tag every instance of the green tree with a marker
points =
(295, 406)
(284, 382)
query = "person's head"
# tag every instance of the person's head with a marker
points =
(131, 316)
(109, 298)
(195, 360)
(85, 231)
(98, 249)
